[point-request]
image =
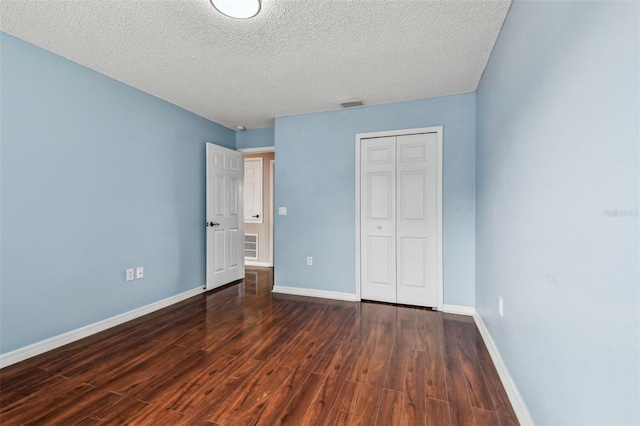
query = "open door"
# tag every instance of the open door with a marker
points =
(225, 211)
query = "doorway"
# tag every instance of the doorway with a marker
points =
(399, 217)
(259, 196)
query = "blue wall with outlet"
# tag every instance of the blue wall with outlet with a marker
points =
(315, 180)
(97, 177)
(557, 208)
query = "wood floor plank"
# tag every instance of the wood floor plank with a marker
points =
(146, 376)
(414, 404)
(293, 413)
(348, 339)
(90, 421)
(121, 411)
(450, 338)
(343, 410)
(499, 396)
(336, 375)
(50, 407)
(472, 334)
(24, 386)
(245, 413)
(369, 402)
(434, 338)
(77, 409)
(154, 414)
(476, 385)
(242, 355)
(485, 417)
(397, 366)
(347, 400)
(437, 413)
(30, 407)
(240, 394)
(368, 405)
(296, 380)
(360, 368)
(225, 375)
(390, 408)
(460, 411)
(337, 418)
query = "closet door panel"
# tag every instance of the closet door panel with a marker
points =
(416, 225)
(377, 219)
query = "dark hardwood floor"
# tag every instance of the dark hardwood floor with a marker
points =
(242, 355)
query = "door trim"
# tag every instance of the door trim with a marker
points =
(258, 150)
(438, 130)
(271, 206)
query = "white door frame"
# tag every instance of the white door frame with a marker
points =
(263, 150)
(272, 168)
(439, 131)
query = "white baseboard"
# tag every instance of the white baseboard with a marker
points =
(520, 408)
(38, 348)
(256, 263)
(315, 293)
(458, 309)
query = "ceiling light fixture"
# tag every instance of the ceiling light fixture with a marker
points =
(239, 9)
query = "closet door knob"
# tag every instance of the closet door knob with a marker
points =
(256, 216)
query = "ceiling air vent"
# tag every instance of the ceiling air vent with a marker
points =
(351, 104)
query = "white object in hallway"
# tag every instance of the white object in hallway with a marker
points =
(253, 190)
(225, 224)
(400, 220)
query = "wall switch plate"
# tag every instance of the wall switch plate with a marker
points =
(500, 306)
(139, 273)
(282, 211)
(309, 260)
(129, 274)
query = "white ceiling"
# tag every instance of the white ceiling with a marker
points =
(296, 56)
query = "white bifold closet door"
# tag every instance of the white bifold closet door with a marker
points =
(399, 219)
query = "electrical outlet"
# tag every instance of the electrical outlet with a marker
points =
(139, 273)
(500, 306)
(129, 274)
(309, 260)
(282, 211)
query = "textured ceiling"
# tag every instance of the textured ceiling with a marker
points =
(296, 56)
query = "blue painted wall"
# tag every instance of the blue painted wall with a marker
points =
(315, 180)
(557, 156)
(96, 177)
(255, 138)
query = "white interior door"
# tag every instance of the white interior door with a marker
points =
(225, 224)
(253, 190)
(399, 219)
